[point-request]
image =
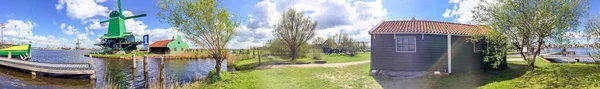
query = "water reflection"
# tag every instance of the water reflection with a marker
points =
(120, 70)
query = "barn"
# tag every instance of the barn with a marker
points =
(172, 46)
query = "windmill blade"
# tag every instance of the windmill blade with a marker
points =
(140, 13)
(135, 16)
(104, 21)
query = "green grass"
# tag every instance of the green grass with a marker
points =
(518, 76)
(251, 63)
(512, 52)
(339, 58)
(548, 75)
(514, 57)
(355, 76)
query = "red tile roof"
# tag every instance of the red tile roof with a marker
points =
(422, 26)
(162, 43)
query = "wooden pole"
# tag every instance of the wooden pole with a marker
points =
(162, 72)
(9, 55)
(133, 59)
(90, 62)
(145, 71)
(259, 61)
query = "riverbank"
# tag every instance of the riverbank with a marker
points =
(352, 76)
(140, 55)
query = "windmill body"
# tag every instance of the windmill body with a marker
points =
(117, 39)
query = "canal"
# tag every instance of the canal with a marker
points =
(119, 71)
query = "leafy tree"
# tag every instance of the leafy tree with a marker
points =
(592, 27)
(318, 42)
(346, 44)
(294, 29)
(274, 46)
(528, 24)
(203, 23)
(495, 44)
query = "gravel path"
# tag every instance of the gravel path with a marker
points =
(314, 65)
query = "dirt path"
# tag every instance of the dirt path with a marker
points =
(314, 65)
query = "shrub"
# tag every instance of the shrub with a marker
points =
(231, 59)
(315, 53)
(212, 76)
(277, 48)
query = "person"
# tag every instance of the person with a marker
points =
(564, 50)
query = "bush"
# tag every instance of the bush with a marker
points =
(231, 59)
(315, 53)
(212, 76)
(277, 48)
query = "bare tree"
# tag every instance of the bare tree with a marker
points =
(202, 22)
(294, 29)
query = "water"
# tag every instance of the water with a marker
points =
(176, 71)
(578, 52)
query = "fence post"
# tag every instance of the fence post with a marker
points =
(90, 61)
(162, 72)
(259, 61)
(146, 71)
(134, 64)
(9, 55)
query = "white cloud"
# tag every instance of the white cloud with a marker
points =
(95, 24)
(82, 9)
(127, 13)
(139, 29)
(333, 16)
(454, 1)
(447, 13)
(462, 10)
(100, 1)
(79, 36)
(69, 30)
(17, 31)
(575, 35)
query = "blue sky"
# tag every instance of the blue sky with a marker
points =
(63, 22)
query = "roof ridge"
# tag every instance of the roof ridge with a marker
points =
(430, 21)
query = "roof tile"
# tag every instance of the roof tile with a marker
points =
(422, 26)
(162, 43)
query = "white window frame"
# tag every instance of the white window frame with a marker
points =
(410, 37)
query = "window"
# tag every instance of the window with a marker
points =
(479, 46)
(406, 44)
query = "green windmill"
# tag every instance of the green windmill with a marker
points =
(118, 39)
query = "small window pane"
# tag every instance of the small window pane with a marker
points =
(405, 44)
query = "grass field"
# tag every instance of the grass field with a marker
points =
(546, 76)
(251, 63)
(354, 76)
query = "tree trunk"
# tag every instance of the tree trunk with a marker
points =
(535, 53)
(293, 53)
(218, 67)
(218, 60)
